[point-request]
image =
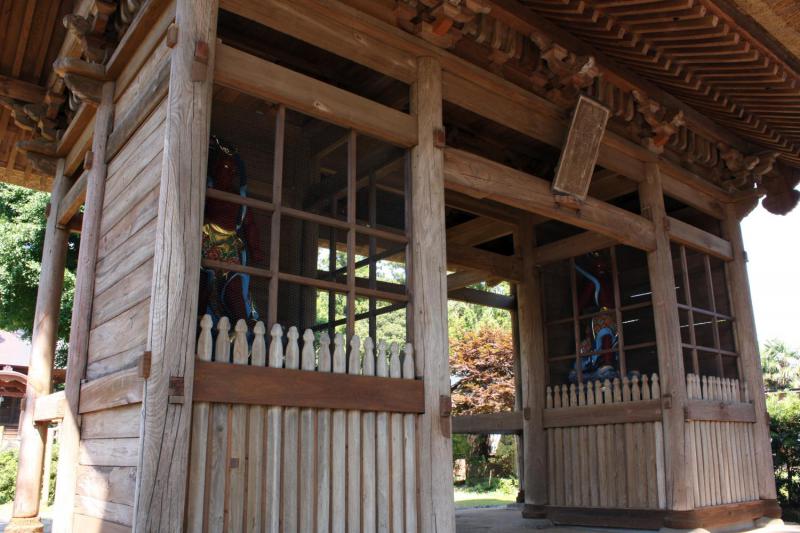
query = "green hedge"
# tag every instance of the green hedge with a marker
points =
(784, 412)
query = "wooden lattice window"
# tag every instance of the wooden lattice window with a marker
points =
(325, 208)
(707, 332)
(576, 310)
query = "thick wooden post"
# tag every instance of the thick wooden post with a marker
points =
(43, 346)
(429, 288)
(745, 327)
(69, 436)
(668, 343)
(167, 408)
(532, 372)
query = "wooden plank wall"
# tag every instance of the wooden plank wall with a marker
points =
(288, 469)
(109, 447)
(722, 452)
(616, 466)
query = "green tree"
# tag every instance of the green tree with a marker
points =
(22, 228)
(781, 366)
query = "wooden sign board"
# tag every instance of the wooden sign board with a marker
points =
(578, 158)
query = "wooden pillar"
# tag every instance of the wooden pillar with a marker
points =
(533, 367)
(167, 408)
(745, 327)
(668, 344)
(429, 289)
(43, 346)
(69, 435)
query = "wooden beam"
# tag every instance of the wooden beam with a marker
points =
(50, 407)
(747, 344)
(533, 369)
(43, 346)
(720, 411)
(668, 344)
(165, 437)
(296, 388)
(295, 19)
(592, 415)
(495, 265)
(21, 90)
(263, 79)
(505, 423)
(69, 435)
(478, 231)
(115, 390)
(73, 200)
(693, 190)
(581, 149)
(489, 299)
(429, 309)
(464, 278)
(539, 119)
(701, 240)
(574, 246)
(483, 178)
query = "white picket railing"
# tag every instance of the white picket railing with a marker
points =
(603, 392)
(290, 469)
(714, 388)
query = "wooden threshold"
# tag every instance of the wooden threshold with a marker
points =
(252, 385)
(705, 517)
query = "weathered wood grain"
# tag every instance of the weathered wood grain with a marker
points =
(70, 447)
(163, 464)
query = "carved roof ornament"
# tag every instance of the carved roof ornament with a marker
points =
(744, 171)
(780, 194)
(663, 122)
(563, 74)
(438, 22)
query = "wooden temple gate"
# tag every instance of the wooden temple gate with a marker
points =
(301, 417)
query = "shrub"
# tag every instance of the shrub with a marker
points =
(8, 475)
(784, 412)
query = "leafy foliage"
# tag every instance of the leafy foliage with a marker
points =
(8, 475)
(781, 366)
(483, 363)
(784, 412)
(22, 228)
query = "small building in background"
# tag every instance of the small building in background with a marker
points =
(14, 358)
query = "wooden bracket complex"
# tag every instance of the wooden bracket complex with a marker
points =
(200, 63)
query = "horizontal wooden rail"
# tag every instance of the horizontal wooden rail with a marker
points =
(574, 246)
(251, 385)
(505, 423)
(73, 200)
(596, 415)
(263, 79)
(701, 240)
(50, 407)
(115, 390)
(716, 411)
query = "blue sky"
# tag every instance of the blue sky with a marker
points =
(772, 243)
